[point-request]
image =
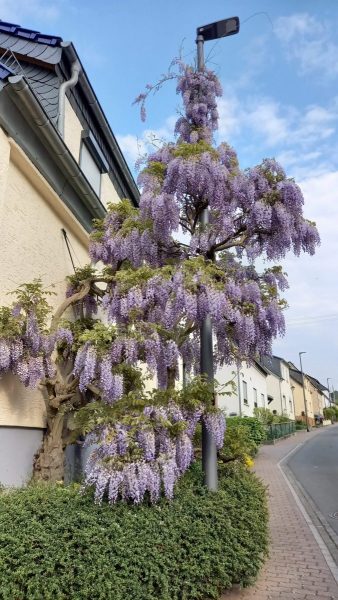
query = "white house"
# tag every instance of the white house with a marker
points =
(248, 390)
(279, 387)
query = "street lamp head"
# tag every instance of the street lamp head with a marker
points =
(300, 353)
(219, 29)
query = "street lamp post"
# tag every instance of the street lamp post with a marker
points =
(303, 381)
(212, 31)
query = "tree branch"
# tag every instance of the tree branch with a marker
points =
(68, 302)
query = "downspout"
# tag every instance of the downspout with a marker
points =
(66, 85)
(280, 393)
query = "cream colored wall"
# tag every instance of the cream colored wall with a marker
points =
(299, 398)
(108, 192)
(72, 138)
(319, 402)
(32, 246)
(73, 129)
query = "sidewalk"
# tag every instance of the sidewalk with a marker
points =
(296, 568)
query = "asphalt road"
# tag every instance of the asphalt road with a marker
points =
(315, 466)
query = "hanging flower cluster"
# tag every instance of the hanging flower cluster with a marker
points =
(28, 354)
(131, 462)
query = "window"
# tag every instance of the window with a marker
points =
(233, 414)
(255, 397)
(284, 402)
(92, 161)
(90, 169)
(245, 392)
(263, 399)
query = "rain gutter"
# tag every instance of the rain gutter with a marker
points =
(25, 100)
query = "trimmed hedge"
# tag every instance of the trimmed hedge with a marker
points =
(56, 544)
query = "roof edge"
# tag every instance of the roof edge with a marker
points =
(72, 55)
(20, 92)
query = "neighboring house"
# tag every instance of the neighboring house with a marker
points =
(60, 165)
(298, 394)
(319, 398)
(279, 387)
(250, 390)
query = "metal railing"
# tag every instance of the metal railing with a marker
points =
(278, 430)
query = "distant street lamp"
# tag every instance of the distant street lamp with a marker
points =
(213, 31)
(303, 381)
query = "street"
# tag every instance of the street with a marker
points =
(315, 467)
(296, 567)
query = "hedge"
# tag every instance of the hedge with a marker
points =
(255, 428)
(56, 544)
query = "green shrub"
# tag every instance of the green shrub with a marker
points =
(238, 444)
(331, 413)
(300, 425)
(265, 416)
(255, 429)
(56, 544)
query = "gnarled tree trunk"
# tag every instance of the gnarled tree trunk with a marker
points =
(49, 460)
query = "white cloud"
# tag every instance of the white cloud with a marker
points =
(134, 147)
(308, 41)
(312, 284)
(303, 140)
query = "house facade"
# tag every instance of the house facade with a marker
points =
(298, 394)
(247, 388)
(60, 165)
(279, 387)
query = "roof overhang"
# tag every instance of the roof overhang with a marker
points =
(23, 117)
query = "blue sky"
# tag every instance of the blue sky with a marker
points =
(280, 99)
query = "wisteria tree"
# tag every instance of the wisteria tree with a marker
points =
(142, 312)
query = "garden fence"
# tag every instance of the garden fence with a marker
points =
(278, 430)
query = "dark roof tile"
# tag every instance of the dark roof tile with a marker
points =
(30, 34)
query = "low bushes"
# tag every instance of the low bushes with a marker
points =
(243, 438)
(56, 544)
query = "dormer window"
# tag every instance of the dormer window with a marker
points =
(92, 161)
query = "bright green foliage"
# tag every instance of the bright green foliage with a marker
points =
(242, 439)
(56, 544)
(266, 417)
(331, 413)
(255, 430)
(129, 409)
(29, 297)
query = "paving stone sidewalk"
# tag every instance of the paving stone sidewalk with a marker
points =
(296, 568)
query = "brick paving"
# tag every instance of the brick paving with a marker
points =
(296, 568)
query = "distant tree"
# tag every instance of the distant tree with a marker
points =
(153, 293)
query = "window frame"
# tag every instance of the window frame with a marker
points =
(96, 154)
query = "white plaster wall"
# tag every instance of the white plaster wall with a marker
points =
(254, 379)
(274, 390)
(288, 403)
